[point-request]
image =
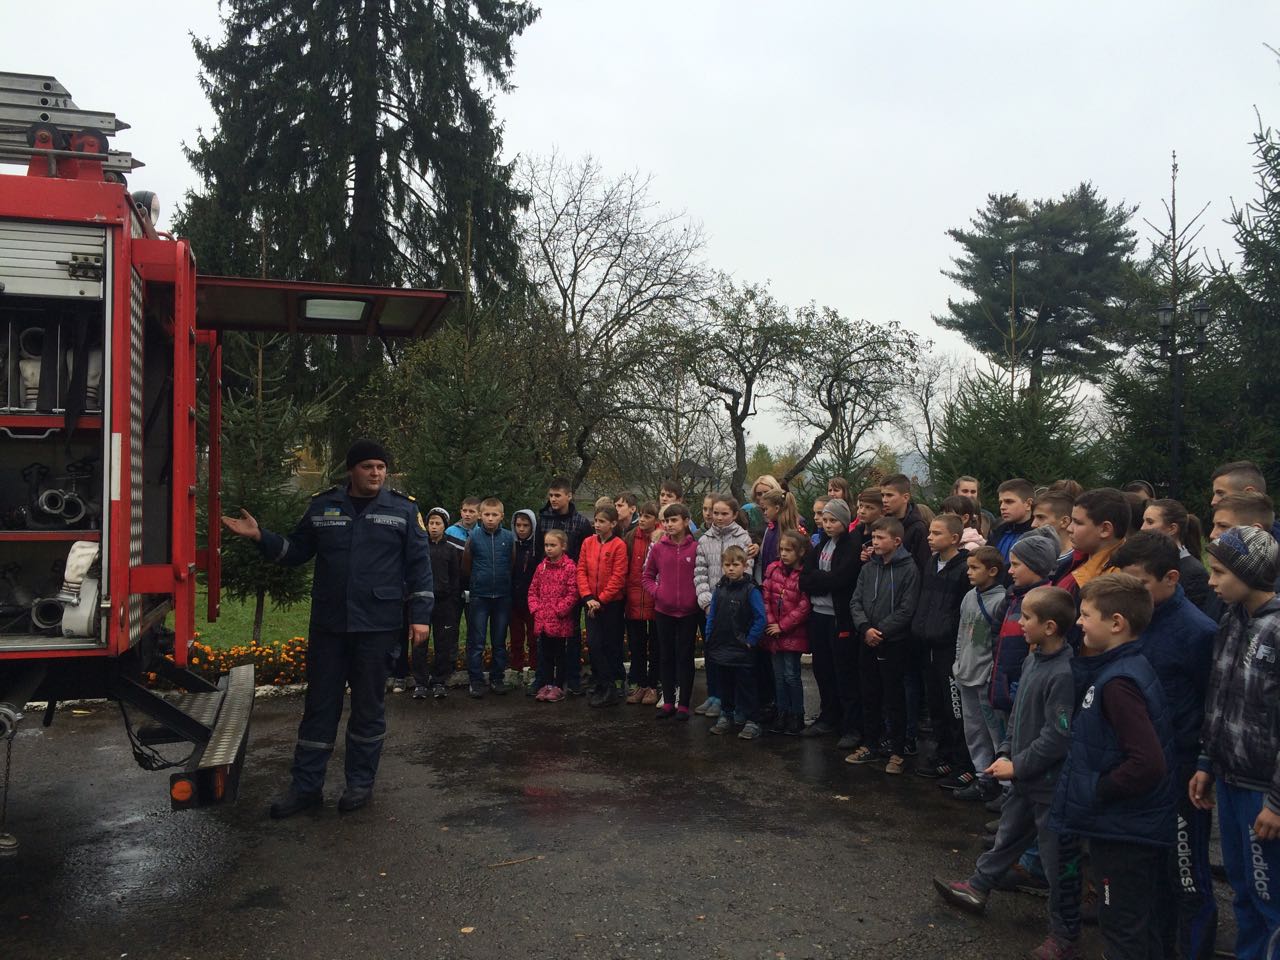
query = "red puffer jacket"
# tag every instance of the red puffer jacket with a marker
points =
(788, 606)
(602, 569)
(553, 598)
(639, 602)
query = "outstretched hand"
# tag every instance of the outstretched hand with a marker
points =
(243, 525)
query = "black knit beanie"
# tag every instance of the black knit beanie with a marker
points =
(363, 450)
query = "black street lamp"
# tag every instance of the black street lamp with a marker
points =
(1167, 316)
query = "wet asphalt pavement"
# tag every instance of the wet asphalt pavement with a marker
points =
(501, 828)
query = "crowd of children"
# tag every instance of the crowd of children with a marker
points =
(1084, 674)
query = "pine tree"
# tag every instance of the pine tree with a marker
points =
(1048, 280)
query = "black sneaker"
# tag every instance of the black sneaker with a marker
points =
(957, 781)
(477, 691)
(909, 746)
(983, 790)
(795, 725)
(779, 724)
(439, 692)
(935, 769)
(499, 687)
(848, 741)
(1022, 880)
(419, 692)
(995, 805)
(574, 691)
(991, 827)
(610, 698)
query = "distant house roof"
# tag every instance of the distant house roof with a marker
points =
(694, 470)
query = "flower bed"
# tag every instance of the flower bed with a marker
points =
(278, 663)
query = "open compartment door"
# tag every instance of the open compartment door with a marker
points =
(293, 306)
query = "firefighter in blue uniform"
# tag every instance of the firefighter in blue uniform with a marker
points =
(372, 556)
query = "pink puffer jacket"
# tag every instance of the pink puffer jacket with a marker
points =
(788, 606)
(553, 598)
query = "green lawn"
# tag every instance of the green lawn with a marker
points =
(235, 622)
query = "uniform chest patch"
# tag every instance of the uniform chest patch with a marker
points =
(330, 521)
(1087, 702)
(333, 511)
(385, 519)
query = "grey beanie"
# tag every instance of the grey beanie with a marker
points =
(1249, 553)
(1038, 550)
(838, 509)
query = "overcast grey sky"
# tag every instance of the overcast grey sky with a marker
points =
(825, 147)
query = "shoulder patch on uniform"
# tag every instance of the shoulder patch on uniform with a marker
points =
(321, 493)
(401, 493)
(422, 523)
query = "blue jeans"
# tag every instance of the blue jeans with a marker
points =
(1252, 867)
(738, 694)
(788, 689)
(487, 618)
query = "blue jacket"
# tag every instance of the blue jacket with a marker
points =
(1179, 645)
(491, 560)
(1008, 649)
(735, 623)
(1095, 750)
(367, 563)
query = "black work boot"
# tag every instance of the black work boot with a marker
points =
(292, 801)
(353, 798)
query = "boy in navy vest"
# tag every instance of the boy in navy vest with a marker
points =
(1240, 740)
(1178, 643)
(1031, 760)
(1116, 787)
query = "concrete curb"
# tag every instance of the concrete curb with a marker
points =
(268, 690)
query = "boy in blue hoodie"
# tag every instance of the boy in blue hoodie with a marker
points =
(735, 624)
(486, 565)
(882, 607)
(1178, 643)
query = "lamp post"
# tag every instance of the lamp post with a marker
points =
(1167, 316)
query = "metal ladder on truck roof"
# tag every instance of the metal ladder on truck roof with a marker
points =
(38, 118)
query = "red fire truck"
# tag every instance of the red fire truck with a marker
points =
(102, 319)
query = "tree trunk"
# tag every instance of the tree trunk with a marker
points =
(366, 159)
(258, 609)
(737, 423)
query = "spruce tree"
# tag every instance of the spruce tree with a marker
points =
(356, 141)
(1048, 282)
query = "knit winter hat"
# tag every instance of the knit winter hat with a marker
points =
(440, 512)
(363, 450)
(1251, 554)
(838, 509)
(1038, 550)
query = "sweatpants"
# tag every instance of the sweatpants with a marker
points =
(915, 683)
(444, 642)
(1188, 911)
(1128, 878)
(1022, 821)
(676, 637)
(846, 648)
(642, 641)
(604, 646)
(1252, 867)
(983, 727)
(884, 695)
(738, 694)
(822, 640)
(944, 701)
